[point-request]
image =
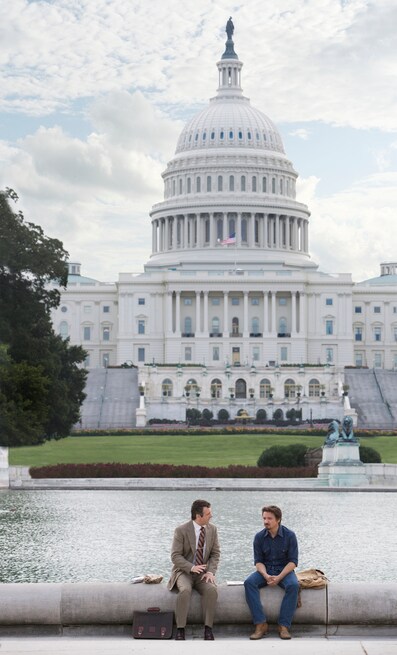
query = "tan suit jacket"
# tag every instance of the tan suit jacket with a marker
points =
(184, 549)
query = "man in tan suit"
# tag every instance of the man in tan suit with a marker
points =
(195, 556)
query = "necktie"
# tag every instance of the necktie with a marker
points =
(200, 547)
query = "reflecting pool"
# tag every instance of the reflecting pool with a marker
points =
(59, 536)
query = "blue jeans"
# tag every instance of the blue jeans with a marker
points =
(256, 581)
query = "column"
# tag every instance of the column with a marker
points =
(264, 242)
(295, 234)
(302, 313)
(153, 236)
(185, 232)
(273, 328)
(198, 314)
(225, 314)
(245, 326)
(294, 328)
(169, 312)
(199, 222)
(178, 312)
(212, 241)
(265, 312)
(167, 237)
(161, 234)
(306, 236)
(205, 326)
(252, 230)
(277, 230)
(225, 228)
(238, 229)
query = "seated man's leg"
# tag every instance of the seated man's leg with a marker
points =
(252, 585)
(184, 584)
(209, 596)
(288, 606)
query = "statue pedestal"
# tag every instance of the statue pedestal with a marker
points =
(140, 417)
(4, 469)
(341, 466)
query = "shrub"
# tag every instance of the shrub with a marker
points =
(369, 455)
(261, 416)
(207, 414)
(278, 415)
(288, 456)
(223, 415)
(193, 416)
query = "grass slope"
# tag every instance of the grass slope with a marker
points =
(205, 450)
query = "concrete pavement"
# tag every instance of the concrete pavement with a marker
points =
(235, 646)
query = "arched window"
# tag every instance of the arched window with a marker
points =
(232, 226)
(207, 230)
(243, 183)
(188, 325)
(255, 325)
(180, 187)
(264, 388)
(241, 388)
(64, 330)
(209, 182)
(256, 231)
(281, 187)
(219, 229)
(314, 388)
(191, 386)
(273, 185)
(215, 325)
(220, 183)
(216, 388)
(282, 326)
(254, 183)
(290, 388)
(244, 230)
(198, 185)
(173, 187)
(235, 326)
(189, 185)
(166, 387)
(231, 183)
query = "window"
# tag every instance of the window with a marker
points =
(187, 301)
(220, 183)
(240, 135)
(105, 360)
(87, 362)
(209, 183)
(314, 388)
(254, 301)
(141, 354)
(395, 333)
(358, 334)
(141, 301)
(282, 326)
(188, 354)
(357, 310)
(282, 301)
(141, 326)
(166, 387)
(255, 325)
(215, 325)
(215, 301)
(235, 301)
(264, 388)
(377, 360)
(198, 185)
(329, 355)
(329, 301)
(235, 324)
(189, 185)
(329, 326)
(87, 333)
(264, 185)
(231, 183)
(395, 309)
(216, 388)
(106, 309)
(377, 333)
(64, 330)
(106, 334)
(255, 353)
(273, 185)
(231, 134)
(244, 231)
(215, 353)
(358, 359)
(283, 354)
(243, 183)
(180, 187)
(254, 183)
(188, 325)
(377, 309)
(87, 309)
(64, 309)
(290, 388)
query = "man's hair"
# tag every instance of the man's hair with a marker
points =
(198, 507)
(273, 509)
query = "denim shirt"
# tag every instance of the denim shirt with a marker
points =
(275, 552)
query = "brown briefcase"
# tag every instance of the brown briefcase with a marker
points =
(152, 624)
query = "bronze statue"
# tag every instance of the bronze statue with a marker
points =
(332, 434)
(229, 28)
(347, 433)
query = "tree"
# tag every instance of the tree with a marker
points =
(41, 384)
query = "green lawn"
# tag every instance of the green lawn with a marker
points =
(205, 450)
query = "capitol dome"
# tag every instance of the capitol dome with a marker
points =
(230, 183)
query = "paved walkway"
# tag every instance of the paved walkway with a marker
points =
(235, 646)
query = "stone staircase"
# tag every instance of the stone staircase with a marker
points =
(112, 398)
(373, 394)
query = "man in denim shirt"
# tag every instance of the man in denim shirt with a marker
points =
(275, 558)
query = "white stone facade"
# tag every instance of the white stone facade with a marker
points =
(230, 292)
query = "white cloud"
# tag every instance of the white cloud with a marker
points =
(301, 133)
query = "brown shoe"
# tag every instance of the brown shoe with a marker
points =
(283, 632)
(261, 630)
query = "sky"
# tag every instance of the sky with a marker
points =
(94, 94)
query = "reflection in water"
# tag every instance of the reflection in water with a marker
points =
(59, 536)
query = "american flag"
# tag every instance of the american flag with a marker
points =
(230, 240)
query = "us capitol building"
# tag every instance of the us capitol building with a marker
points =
(230, 310)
